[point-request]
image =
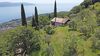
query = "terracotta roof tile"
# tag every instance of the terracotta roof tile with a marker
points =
(60, 20)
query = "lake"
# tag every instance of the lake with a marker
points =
(9, 13)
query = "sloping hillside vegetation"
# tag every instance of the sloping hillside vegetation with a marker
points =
(81, 37)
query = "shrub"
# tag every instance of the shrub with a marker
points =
(27, 39)
(49, 30)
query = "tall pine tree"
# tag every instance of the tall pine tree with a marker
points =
(55, 9)
(23, 16)
(36, 16)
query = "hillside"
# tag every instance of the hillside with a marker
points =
(81, 37)
(63, 42)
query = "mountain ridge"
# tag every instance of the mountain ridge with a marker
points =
(10, 4)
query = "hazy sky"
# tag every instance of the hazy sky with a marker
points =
(44, 1)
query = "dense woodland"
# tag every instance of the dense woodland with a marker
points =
(36, 37)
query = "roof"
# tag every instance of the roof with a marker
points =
(59, 20)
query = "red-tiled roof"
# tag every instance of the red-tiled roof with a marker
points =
(59, 20)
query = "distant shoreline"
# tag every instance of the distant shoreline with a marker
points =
(31, 16)
(16, 6)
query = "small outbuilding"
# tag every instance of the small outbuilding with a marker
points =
(59, 21)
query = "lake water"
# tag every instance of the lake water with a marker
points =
(9, 13)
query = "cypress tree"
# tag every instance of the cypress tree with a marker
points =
(33, 22)
(36, 16)
(55, 9)
(23, 16)
(49, 16)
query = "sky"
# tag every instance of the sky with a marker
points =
(44, 1)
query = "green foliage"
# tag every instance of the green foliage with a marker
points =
(85, 22)
(85, 30)
(59, 41)
(76, 10)
(43, 21)
(70, 46)
(86, 3)
(98, 20)
(49, 51)
(73, 25)
(66, 42)
(0, 52)
(96, 10)
(26, 37)
(96, 7)
(23, 17)
(96, 40)
(97, 33)
(29, 38)
(97, 45)
(62, 14)
(49, 30)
